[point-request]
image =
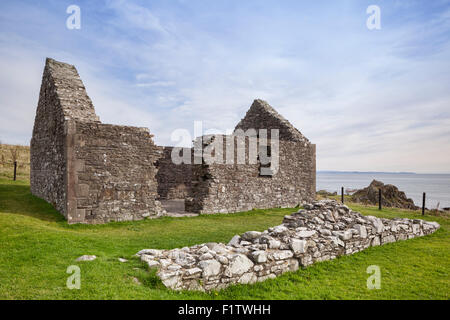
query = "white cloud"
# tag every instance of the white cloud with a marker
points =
(368, 100)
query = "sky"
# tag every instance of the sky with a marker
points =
(371, 100)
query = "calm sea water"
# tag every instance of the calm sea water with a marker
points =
(437, 186)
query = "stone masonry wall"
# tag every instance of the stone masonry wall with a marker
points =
(62, 97)
(236, 187)
(174, 180)
(91, 172)
(324, 230)
(262, 116)
(113, 173)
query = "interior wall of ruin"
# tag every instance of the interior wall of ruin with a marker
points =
(227, 188)
(174, 180)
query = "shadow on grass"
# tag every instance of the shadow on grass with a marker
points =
(17, 199)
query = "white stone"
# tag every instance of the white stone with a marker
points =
(375, 241)
(206, 256)
(153, 264)
(251, 235)
(388, 239)
(239, 264)
(192, 271)
(298, 246)
(152, 252)
(222, 259)
(234, 241)
(362, 231)
(274, 244)
(376, 222)
(345, 235)
(174, 267)
(203, 249)
(86, 258)
(248, 277)
(172, 282)
(259, 256)
(337, 241)
(282, 254)
(184, 259)
(165, 262)
(306, 233)
(325, 232)
(293, 265)
(210, 268)
(279, 229)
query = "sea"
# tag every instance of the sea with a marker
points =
(436, 186)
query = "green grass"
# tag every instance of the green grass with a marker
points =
(37, 246)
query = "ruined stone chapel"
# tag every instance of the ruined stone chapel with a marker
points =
(93, 172)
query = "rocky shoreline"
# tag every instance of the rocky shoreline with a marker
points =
(323, 230)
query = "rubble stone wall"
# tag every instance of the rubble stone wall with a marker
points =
(62, 97)
(91, 172)
(237, 187)
(113, 173)
(323, 230)
(174, 180)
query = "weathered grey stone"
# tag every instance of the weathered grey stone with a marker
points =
(206, 256)
(274, 244)
(248, 277)
(259, 256)
(306, 233)
(210, 267)
(184, 259)
(222, 260)
(376, 222)
(298, 246)
(203, 249)
(282, 254)
(325, 232)
(376, 241)
(239, 264)
(251, 235)
(362, 231)
(86, 258)
(193, 271)
(234, 241)
(152, 252)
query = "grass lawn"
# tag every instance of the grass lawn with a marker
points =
(37, 246)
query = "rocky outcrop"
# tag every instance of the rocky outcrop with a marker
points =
(321, 231)
(390, 196)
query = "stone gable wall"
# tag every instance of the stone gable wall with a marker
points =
(91, 172)
(229, 188)
(262, 116)
(47, 147)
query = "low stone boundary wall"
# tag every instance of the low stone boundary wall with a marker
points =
(321, 231)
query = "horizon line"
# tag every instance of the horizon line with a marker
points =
(392, 172)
